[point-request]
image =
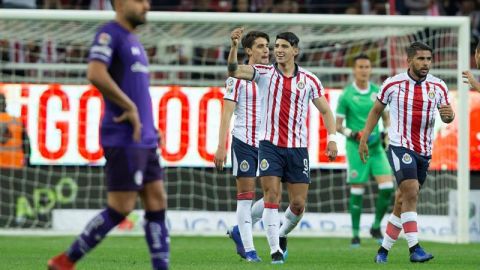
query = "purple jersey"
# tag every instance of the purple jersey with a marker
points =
(127, 63)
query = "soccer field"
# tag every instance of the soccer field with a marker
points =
(214, 253)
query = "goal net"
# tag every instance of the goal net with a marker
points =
(42, 70)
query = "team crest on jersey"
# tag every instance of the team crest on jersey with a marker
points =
(104, 39)
(244, 166)
(373, 97)
(264, 165)
(431, 94)
(407, 159)
(354, 174)
(138, 177)
(300, 85)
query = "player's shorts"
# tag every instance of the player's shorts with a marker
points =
(291, 164)
(129, 168)
(244, 159)
(376, 165)
(408, 164)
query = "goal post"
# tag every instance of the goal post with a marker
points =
(187, 53)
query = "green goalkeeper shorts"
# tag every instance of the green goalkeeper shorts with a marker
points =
(377, 163)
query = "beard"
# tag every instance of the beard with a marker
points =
(419, 74)
(135, 20)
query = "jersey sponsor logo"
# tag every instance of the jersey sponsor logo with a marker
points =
(373, 96)
(104, 38)
(138, 177)
(300, 85)
(244, 166)
(354, 174)
(230, 86)
(431, 94)
(139, 67)
(264, 165)
(135, 50)
(105, 50)
(407, 159)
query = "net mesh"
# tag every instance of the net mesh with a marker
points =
(194, 54)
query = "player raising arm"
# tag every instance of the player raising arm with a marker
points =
(287, 90)
(243, 98)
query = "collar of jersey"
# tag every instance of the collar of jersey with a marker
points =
(416, 82)
(279, 71)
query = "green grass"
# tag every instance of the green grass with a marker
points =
(216, 253)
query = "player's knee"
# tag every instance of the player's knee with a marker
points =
(122, 209)
(270, 194)
(297, 206)
(409, 195)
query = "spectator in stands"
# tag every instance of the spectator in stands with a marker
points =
(422, 7)
(470, 8)
(53, 4)
(20, 4)
(263, 6)
(14, 143)
(241, 6)
(93, 4)
(165, 5)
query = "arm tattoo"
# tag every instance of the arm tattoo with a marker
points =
(232, 67)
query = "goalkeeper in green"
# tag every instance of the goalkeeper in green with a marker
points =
(353, 106)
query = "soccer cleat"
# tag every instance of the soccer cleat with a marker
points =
(381, 257)
(419, 255)
(283, 246)
(277, 258)
(61, 262)
(234, 234)
(251, 256)
(377, 235)
(355, 242)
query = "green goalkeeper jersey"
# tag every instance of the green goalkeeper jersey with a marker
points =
(354, 105)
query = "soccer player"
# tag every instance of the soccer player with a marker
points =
(353, 106)
(413, 97)
(467, 74)
(283, 151)
(118, 67)
(243, 98)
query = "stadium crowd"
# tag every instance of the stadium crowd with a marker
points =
(13, 51)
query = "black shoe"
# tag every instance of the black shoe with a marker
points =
(277, 257)
(355, 242)
(377, 235)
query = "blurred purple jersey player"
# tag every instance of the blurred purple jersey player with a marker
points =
(118, 67)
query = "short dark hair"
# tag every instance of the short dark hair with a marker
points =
(360, 56)
(417, 46)
(290, 37)
(478, 46)
(250, 37)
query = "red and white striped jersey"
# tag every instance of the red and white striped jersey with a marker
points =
(285, 103)
(412, 110)
(247, 111)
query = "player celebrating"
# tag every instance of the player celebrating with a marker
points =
(118, 67)
(243, 98)
(353, 105)
(283, 133)
(468, 76)
(413, 97)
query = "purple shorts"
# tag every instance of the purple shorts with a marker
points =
(129, 168)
